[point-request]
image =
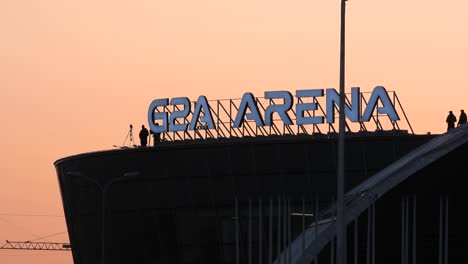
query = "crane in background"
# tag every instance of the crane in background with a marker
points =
(36, 245)
(38, 242)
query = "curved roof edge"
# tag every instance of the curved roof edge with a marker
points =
(236, 140)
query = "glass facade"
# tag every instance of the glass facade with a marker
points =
(231, 202)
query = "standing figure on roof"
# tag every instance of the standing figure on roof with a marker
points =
(156, 136)
(451, 119)
(462, 119)
(143, 136)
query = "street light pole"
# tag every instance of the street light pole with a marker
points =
(341, 249)
(103, 188)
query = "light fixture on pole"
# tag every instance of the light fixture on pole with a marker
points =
(341, 255)
(103, 188)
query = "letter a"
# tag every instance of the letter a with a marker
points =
(386, 108)
(202, 104)
(248, 101)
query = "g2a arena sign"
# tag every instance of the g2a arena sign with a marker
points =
(177, 114)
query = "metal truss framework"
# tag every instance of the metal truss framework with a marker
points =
(224, 111)
(29, 245)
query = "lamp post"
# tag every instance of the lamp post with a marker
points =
(341, 224)
(103, 188)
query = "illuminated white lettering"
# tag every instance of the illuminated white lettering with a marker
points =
(387, 107)
(302, 108)
(183, 113)
(161, 119)
(281, 109)
(154, 116)
(202, 106)
(248, 101)
(352, 113)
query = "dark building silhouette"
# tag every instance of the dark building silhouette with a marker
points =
(248, 200)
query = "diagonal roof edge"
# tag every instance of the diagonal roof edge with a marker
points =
(365, 194)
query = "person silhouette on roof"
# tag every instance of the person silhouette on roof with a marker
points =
(156, 136)
(143, 136)
(451, 119)
(462, 119)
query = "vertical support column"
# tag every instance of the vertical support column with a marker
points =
(270, 236)
(230, 118)
(333, 251)
(270, 127)
(316, 222)
(441, 229)
(289, 232)
(406, 229)
(103, 226)
(313, 113)
(217, 119)
(369, 230)
(446, 230)
(249, 250)
(236, 218)
(373, 233)
(303, 226)
(356, 240)
(285, 230)
(278, 240)
(260, 232)
(403, 230)
(340, 223)
(414, 230)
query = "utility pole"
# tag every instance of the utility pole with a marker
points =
(340, 223)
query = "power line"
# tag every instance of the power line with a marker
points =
(36, 236)
(48, 236)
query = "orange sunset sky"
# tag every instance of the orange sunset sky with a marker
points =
(75, 74)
